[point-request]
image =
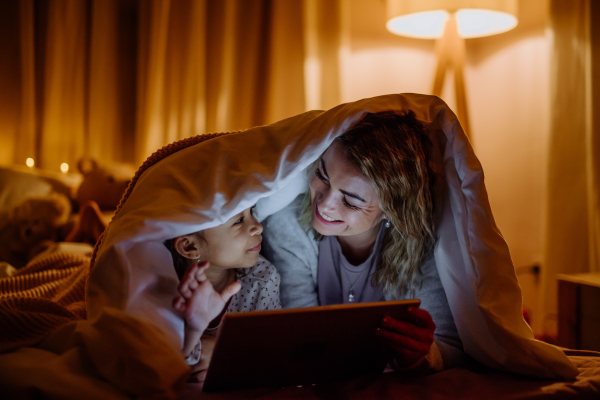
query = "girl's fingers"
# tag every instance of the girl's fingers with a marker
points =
(193, 284)
(230, 290)
(202, 265)
(193, 275)
(198, 377)
(179, 303)
(200, 276)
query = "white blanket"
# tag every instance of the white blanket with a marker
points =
(204, 185)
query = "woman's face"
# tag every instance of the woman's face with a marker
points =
(344, 203)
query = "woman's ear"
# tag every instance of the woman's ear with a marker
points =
(187, 246)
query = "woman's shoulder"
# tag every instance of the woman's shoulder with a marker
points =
(283, 230)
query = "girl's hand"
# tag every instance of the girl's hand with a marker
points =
(198, 300)
(410, 341)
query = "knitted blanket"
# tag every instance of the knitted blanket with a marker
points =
(45, 294)
(51, 290)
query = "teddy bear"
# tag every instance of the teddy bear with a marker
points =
(38, 223)
(103, 183)
(31, 226)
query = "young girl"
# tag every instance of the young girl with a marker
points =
(230, 252)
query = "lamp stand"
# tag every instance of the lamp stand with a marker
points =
(450, 52)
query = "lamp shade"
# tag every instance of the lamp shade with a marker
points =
(425, 19)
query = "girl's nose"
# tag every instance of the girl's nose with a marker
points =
(256, 228)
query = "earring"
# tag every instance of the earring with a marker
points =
(387, 224)
(198, 260)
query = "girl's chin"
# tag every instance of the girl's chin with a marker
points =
(250, 261)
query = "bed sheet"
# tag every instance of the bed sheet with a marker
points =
(454, 383)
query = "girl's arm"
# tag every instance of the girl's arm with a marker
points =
(199, 303)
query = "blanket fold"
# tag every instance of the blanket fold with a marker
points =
(44, 295)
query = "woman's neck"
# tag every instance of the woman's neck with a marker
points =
(219, 277)
(357, 248)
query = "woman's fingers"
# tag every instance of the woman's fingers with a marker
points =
(400, 343)
(407, 351)
(409, 329)
(422, 317)
(419, 325)
(410, 339)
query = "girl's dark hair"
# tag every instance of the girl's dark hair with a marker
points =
(179, 262)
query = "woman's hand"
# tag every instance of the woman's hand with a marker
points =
(198, 300)
(409, 340)
(199, 370)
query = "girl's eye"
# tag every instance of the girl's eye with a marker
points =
(350, 206)
(320, 175)
(239, 221)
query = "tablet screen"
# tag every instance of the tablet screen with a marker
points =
(300, 346)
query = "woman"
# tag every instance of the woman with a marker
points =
(453, 257)
(370, 209)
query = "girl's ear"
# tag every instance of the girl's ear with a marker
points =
(187, 246)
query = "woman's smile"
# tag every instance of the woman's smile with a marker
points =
(326, 219)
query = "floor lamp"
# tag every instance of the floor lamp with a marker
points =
(451, 22)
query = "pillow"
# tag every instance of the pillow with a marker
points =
(19, 182)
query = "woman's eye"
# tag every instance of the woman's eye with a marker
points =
(350, 206)
(320, 175)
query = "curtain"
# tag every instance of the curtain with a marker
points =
(573, 207)
(118, 79)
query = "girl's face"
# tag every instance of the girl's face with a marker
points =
(344, 203)
(235, 244)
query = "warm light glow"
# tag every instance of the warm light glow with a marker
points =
(29, 162)
(477, 23)
(421, 25)
(64, 167)
(471, 23)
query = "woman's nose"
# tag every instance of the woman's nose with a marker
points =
(327, 201)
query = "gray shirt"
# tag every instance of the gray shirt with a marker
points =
(338, 281)
(295, 254)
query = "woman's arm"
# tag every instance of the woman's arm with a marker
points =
(446, 350)
(295, 256)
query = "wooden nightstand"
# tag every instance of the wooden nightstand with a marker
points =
(579, 311)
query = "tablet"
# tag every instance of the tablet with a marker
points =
(300, 346)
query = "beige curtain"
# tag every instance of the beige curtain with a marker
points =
(117, 79)
(573, 207)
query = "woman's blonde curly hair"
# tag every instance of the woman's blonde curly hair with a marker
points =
(393, 152)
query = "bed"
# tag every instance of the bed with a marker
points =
(33, 370)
